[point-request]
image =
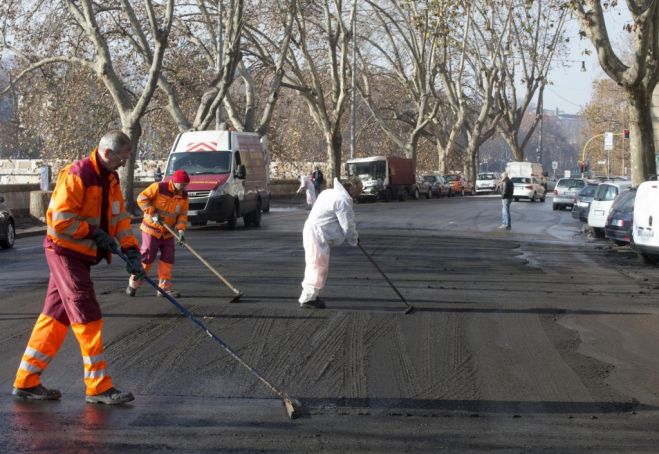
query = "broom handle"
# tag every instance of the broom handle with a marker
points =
(202, 260)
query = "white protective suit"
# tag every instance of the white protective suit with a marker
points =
(307, 184)
(330, 223)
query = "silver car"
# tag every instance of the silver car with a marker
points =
(527, 188)
(565, 191)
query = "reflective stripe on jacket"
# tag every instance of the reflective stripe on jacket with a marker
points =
(75, 209)
(170, 205)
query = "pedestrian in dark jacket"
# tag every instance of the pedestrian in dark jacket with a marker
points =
(506, 199)
(318, 179)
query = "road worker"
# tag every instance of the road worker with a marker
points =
(163, 204)
(85, 218)
(306, 184)
(330, 223)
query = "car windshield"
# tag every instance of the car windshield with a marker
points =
(519, 180)
(451, 177)
(625, 201)
(200, 162)
(570, 183)
(486, 176)
(429, 179)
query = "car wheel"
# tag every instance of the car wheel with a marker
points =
(197, 223)
(462, 193)
(647, 259)
(516, 199)
(554, 206)
(429, 195)
(532, 199)
(10, 237)
(388, 195)
(233, 219)
(416, 194)
(598, 232)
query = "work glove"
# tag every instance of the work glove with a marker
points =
(134, 264)
(156, 219)
(181, 237)
(102, 239)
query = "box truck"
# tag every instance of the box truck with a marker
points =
(527, 170)
(385, 177)
(227, 176)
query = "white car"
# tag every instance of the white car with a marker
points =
(486, 182)
(527, 188)
(601, 204)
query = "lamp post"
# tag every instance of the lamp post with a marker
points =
(352, 92)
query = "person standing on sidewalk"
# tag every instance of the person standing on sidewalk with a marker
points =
(330, 223)
(163, 204)
(507, 189)
(307, 185)
(85, 218)
(318, 179)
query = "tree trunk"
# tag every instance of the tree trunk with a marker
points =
(518, 153)
(641, 146)
(335, 154)
(127, 172)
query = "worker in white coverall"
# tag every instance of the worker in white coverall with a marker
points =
(330, 223)
(307, 185)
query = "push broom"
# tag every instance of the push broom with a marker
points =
(292, 405)
(237, 293)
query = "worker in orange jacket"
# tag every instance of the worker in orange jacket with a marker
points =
(85, 218)
(163, 203)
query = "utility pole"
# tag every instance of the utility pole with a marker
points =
(218, 59)
(542, 116)
(352, 92)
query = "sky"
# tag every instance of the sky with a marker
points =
(571, 88)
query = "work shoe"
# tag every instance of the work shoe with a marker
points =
(315, 304)
(172, 293)
(39, 392)
(110, 397)
(503, 226)
(130, 291)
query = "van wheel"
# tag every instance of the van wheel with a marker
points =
(647, 259)
(232, 219)
(388, 195)
(199, 222)
(402, 195)
(516, 199)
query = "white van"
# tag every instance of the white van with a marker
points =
(531, 170)
(601, 204)
(227, 176)
(645, 234)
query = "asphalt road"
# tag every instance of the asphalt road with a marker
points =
(534, 339)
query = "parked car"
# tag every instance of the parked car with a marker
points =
(527, 188)
(565, 191)
(439, 185)
(601, 204)
(582, 200)
(459, 184)
(486, 182)
(424, 187)
(619, 223)
(7, 225)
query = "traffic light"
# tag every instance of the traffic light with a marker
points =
(625, 133)
(581, 165)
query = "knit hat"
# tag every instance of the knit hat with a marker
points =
(181, 176)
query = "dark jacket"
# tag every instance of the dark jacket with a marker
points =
(507, 188)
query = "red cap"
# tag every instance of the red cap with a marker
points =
(181, 176)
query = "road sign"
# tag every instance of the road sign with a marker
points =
(567, 174)
(601, 163)
(608, 141)
(554, 165)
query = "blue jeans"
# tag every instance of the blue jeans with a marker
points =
(505, 212)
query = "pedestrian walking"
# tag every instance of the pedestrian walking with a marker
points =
(157, 174)
(163, 204)
(330, 223)
(307, 185)
(507, 188)
(318, 179)
(85, 218)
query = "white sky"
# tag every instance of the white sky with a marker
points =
(572, 88)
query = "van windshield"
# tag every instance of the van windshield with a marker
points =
(200, 162)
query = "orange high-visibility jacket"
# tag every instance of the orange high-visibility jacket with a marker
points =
(171, 207)
(75, 209)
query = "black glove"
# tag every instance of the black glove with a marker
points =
(134, 264)
(102, 239)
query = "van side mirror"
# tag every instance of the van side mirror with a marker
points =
(241, 171)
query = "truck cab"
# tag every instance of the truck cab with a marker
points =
(227, 176)
(384, 177)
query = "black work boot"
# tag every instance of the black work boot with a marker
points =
(110, 397)
(39, 392)
(130, 291)
(315, 304)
